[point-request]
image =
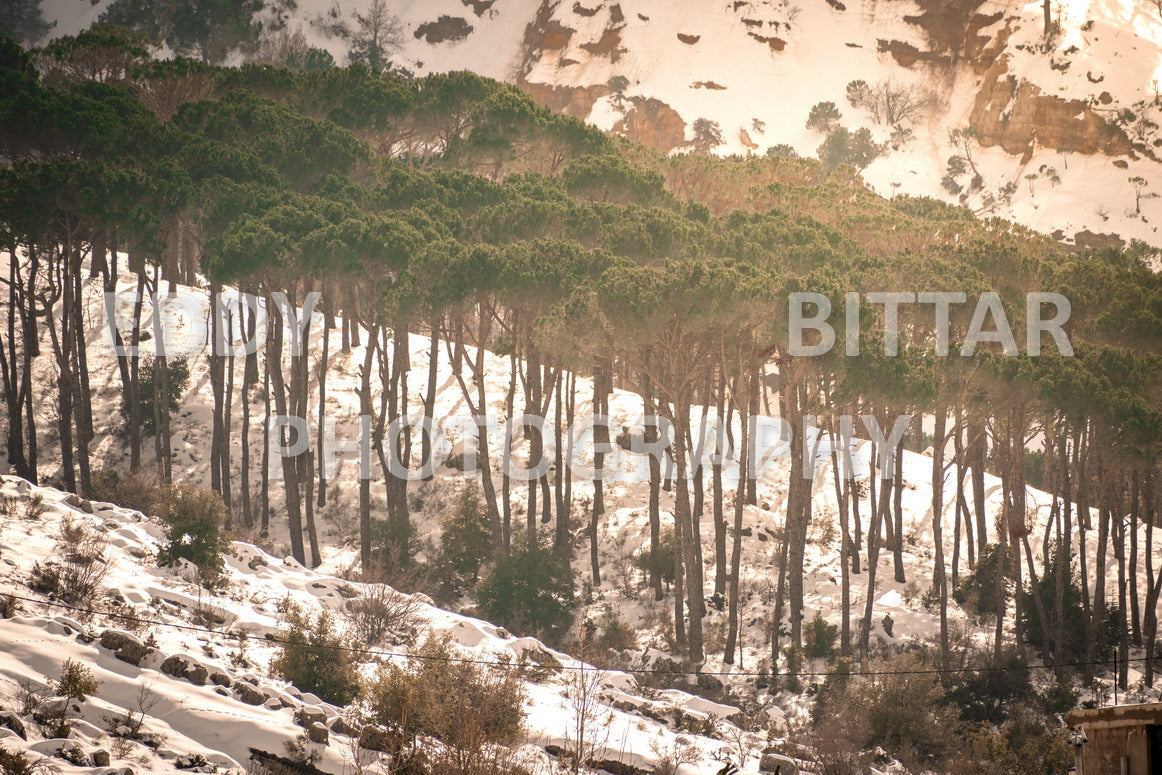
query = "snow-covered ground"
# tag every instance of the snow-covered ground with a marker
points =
(219, 715)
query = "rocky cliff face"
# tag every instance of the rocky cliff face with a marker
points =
(1016, 115)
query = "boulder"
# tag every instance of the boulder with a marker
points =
(12, 721)
(342, 726)
(773, 762)
(375, 738)
(220, 679)
(100, 758)
(175, 665)
(197, 675)
(50, 710)
(615, 767)
(304, 717)
(317, 733)
(125, 646)
(709, 683)
(249, 694)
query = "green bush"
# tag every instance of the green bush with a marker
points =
(529, 591)
(782, 150)
(823, 117)
(179, 380)
(977, 592)
(314, 657)
(466, 540)
(194, 517)
(1026, 743)
(1074, 613)
(17, 763)
(76, 682)
(819, 638)
(613, 633)
(986, 695)
(662, 560)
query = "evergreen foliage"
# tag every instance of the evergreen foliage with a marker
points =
(314, 657)
(194, 518)
(529, 591)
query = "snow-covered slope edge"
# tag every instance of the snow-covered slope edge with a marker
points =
(209, 693)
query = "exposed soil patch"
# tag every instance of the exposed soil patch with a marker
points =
(654, 123)
(1088, 239)
(446, 28)
(574, 101)
(556, 36)
(609, 44)
(543, 33)
(689, 40)
(707, 85)
(479, 6)
(954, 32)
(581, 10)
(776, 43)
(1016, 114)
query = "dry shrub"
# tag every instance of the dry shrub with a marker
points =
(903, 711)
(381, 612)
(129, 728)
(314, 657)
(81, 570)
(18, 763)
(669, 759)
(132, 491)
(472, 709)
(35, 507)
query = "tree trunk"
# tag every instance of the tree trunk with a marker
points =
(739, 509)
(938, 579)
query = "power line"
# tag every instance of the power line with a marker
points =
(508, 665)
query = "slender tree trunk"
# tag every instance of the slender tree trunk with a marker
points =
(309, 502)
(1134, 520)
(685, 521)
(366, 409)
(290, 472)
(732, 633)
(601, 387)
(650, 436)
(430, 399)
(977, 449)
(939, 583)
(881, 510)
(247, 328)
(841, 471)
(320, 454)
(722, 417)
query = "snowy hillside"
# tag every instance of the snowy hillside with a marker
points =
(195, 662)
(1062, 124)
